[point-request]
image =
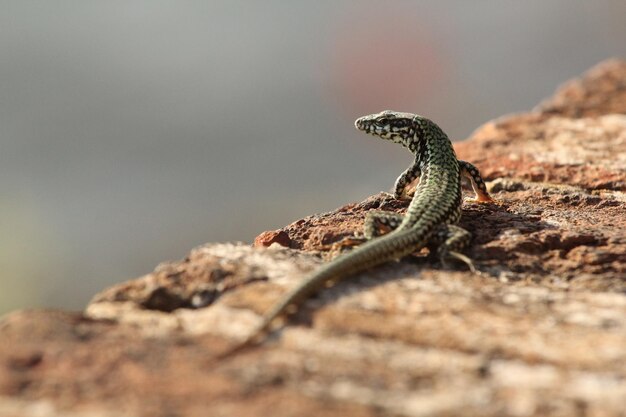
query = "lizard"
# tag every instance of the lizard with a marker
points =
(430, 219)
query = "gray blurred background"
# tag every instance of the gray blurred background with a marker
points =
(132, 131)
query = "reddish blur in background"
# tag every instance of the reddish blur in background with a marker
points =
(132, 131)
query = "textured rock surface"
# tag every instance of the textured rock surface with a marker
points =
(541, 331)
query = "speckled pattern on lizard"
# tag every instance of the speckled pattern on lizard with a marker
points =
(430, 220)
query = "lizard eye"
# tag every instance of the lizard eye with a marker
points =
(382, 121)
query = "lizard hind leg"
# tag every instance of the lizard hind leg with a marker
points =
(377, 223)
(449, 240)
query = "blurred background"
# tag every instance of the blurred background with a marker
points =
(132, 131)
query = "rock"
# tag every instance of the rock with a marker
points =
(601, 91)
(269, 238)
(540, 331)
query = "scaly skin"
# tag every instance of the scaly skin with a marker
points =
(428, 222)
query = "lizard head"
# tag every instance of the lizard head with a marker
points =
(391, 125)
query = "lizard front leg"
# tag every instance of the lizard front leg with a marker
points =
(407, 177)
(470, 172)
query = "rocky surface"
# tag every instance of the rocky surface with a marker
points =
(539, 331)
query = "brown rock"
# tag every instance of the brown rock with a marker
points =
(601, 91)
(266, 239)
(589, 152)
(540, 331)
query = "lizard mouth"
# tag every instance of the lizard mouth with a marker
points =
(368, 127)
